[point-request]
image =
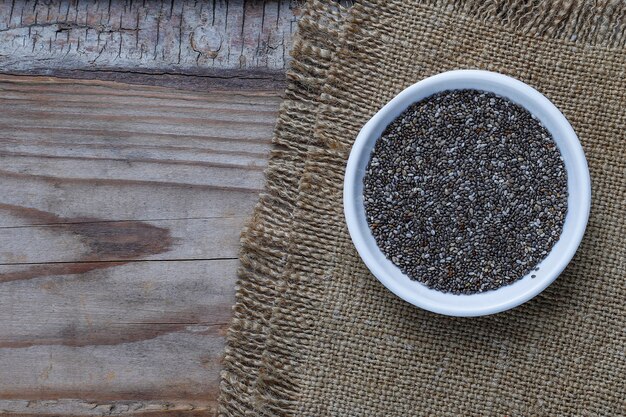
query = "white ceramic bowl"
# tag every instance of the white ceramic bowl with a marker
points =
(504, 298)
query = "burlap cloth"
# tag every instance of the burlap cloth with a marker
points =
(315, 334)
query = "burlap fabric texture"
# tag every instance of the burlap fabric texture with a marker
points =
(315, 334)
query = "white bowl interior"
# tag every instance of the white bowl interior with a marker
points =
(491, 301)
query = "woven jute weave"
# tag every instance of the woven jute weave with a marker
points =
(315, 334)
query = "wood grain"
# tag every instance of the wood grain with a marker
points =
(120, 210)
(168, 36)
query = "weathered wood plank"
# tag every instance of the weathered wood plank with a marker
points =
(144, 330)
(120, 210)
(88, 143)
(136, 408)
(174, 36)
(88, 240)
(106, 199)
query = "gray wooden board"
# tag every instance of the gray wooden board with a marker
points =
(149, 35)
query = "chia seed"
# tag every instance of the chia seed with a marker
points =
(465, 192)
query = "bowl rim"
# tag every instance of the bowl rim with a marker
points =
(359, 236)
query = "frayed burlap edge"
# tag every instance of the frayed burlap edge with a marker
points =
(265, 239)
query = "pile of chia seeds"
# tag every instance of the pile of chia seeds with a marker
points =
(465, 192)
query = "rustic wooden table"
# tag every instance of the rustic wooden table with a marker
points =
(133, 138)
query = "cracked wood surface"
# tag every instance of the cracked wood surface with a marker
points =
(153, 36)
(120, 211)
